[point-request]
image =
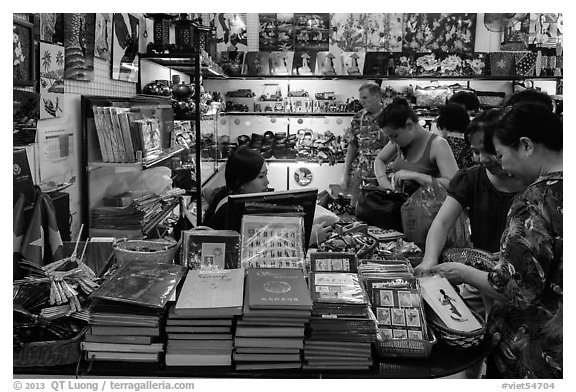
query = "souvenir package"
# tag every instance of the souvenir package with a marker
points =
(210, 249)
(273, 241)
(281, 63)
(477, 64)
(327, 64)
(404, 64)
(333, 261)
(447, 304)
(432, 96)
(427, 64)
(334, 287)
(304, 63)
(353, 63)
(257, 63)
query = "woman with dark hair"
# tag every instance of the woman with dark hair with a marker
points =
(484, 191)
(525, 323)
(452, 121)
(467, 99)
(416, 155)
(245, 172)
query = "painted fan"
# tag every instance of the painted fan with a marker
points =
(497, 23)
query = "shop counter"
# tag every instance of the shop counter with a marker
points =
(444, 361)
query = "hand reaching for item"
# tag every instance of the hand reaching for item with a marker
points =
(320, 233)
(456, 273)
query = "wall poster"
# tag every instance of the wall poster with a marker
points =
(51, 80)
(79, 46)
(125, 48)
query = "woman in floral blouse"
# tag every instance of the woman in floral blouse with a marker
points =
(525, 324)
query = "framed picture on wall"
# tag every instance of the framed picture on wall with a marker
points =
(23, 53)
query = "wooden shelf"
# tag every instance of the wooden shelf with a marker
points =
(164, 156)
(285, 114)
(391, 77)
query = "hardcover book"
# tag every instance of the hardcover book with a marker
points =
(125, 348)
(271, 288)
(207, 293)
(119, 356)
(148, 284)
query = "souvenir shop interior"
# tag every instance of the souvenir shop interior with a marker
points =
(297, 195)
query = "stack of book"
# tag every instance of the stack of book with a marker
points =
(199, 325)
(396, 298)
(136, 216)
(127, 310)
(125, 136)
(122, 332)
(342, 327)
(270, 334)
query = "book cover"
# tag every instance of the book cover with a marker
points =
(272, 242)
(122, 339)
(271, 288)
(206, 292)
(270, 331)
(198, 360)
(135, 134)
(120, 347)
(126, 135)
(122, 331)
(189, 329)
(240, 341)
(147, 284)
(266, 357)
(118, 356)
(266, 350)
(106, 147)
(22, 177)
(447, 304)
(200, 336)
(213, 249)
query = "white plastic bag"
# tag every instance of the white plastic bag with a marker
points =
(154, 181)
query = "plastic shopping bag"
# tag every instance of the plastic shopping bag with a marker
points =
(419, 211)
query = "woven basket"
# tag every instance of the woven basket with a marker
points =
(457, 339)
(406, 348)
(49, 353)
(160, 251)
(477, 258)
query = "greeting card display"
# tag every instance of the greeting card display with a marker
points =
(272, 241)
(447, 304)
(353, 63)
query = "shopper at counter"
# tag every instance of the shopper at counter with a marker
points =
(525, 324)
(452, 121)
(365, 140)
(246, 172)
(485, 191)
(467, 99)
(416, 155)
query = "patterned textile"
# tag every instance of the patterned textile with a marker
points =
(525, 63)
(526, 329)
(501, 63)
(461, 151)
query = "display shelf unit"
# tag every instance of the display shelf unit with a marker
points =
(190, 64)
(382, 77)
(97, 175)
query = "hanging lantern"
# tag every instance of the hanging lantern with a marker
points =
(161, 43)
(184, 29)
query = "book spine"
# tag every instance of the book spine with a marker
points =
(109, 140)
(117, 131)
(101, 133)
(127, 136)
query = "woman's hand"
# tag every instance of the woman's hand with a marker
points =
(403, 175)
(320, 233)
(424, 268)
(456, 273)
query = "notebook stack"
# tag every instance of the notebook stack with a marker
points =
(270, 334)
(199, 325)
(126, 312)
(122, 332)
(342, 327)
